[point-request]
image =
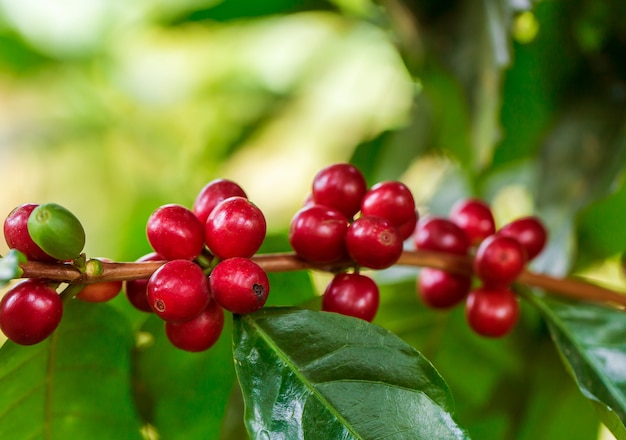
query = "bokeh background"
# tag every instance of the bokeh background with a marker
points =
(113, 108)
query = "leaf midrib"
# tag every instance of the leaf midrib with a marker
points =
(558, 322)
(303, 379)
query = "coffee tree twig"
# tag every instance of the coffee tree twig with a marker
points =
(286, 262)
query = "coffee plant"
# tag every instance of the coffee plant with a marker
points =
(452, 267)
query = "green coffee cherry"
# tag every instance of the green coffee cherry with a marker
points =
(57, 231)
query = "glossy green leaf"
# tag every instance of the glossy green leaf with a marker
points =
(10, 266)
(171, 384)
(511, 387)
(75, 384)
(590, 339)
(307, 374)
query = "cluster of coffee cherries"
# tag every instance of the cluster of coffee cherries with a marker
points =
(208, 268)
(345, 224)
(499, 257)
(32, 309)
(206, 254)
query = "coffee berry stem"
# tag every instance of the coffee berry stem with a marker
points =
(286, 262)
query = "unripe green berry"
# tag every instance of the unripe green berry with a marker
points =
(56, 231)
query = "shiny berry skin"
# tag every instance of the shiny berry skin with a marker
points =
(100, 292)
(239, 285)
(393, 201)
(178, 291)
(492, 312)
(29, 312)
(17, 236)
(235, 228)
(440, 235)
(317, 234)
(499, 260)
(373, 242)
(475, 218)
(441, 289)
(352, 294)
(175, 233)
(200, 333)
(212, 194)
(530, 232)
(136, 289)
(340, 186)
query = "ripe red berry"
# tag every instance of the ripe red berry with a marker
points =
(235, 228)
(317, 234)
(136, 289)
(17, 236)
(199, 334)
(393, 201)
(440, 235)
(530, 232)
(475, 218)
(441, 289)
(178, 291)
(175, 233)
(100, 292)
(340, 186)
(373, 242)
(30, 311)
(212, 194)
(239, 285)
(499, 260)
(352, 294)
(492, 312)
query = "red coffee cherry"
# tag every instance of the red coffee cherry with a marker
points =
(317, 234)
(29, 312)
(239, 285)
(136, 289)
(199, 334)
(340, 186)
(441, 289)
(373, 242)
(393, 201)
(235, 228)
(178, 291)
(530, 232)
(352, 294)
(475, 218)
(17, 236)
(499, 260)
(440, 235)
(492, 312)
(100, 292)
(212, 194)
(175, 233)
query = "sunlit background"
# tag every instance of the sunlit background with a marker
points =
(113, 108)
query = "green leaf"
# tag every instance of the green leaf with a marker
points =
(183, 395)
(307, 374)
(483, 374)
(590, 339)
(75, 384)
(10, 266)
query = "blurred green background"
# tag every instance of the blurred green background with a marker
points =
(114, 108)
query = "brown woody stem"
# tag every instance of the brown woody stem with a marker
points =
(285, 262)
